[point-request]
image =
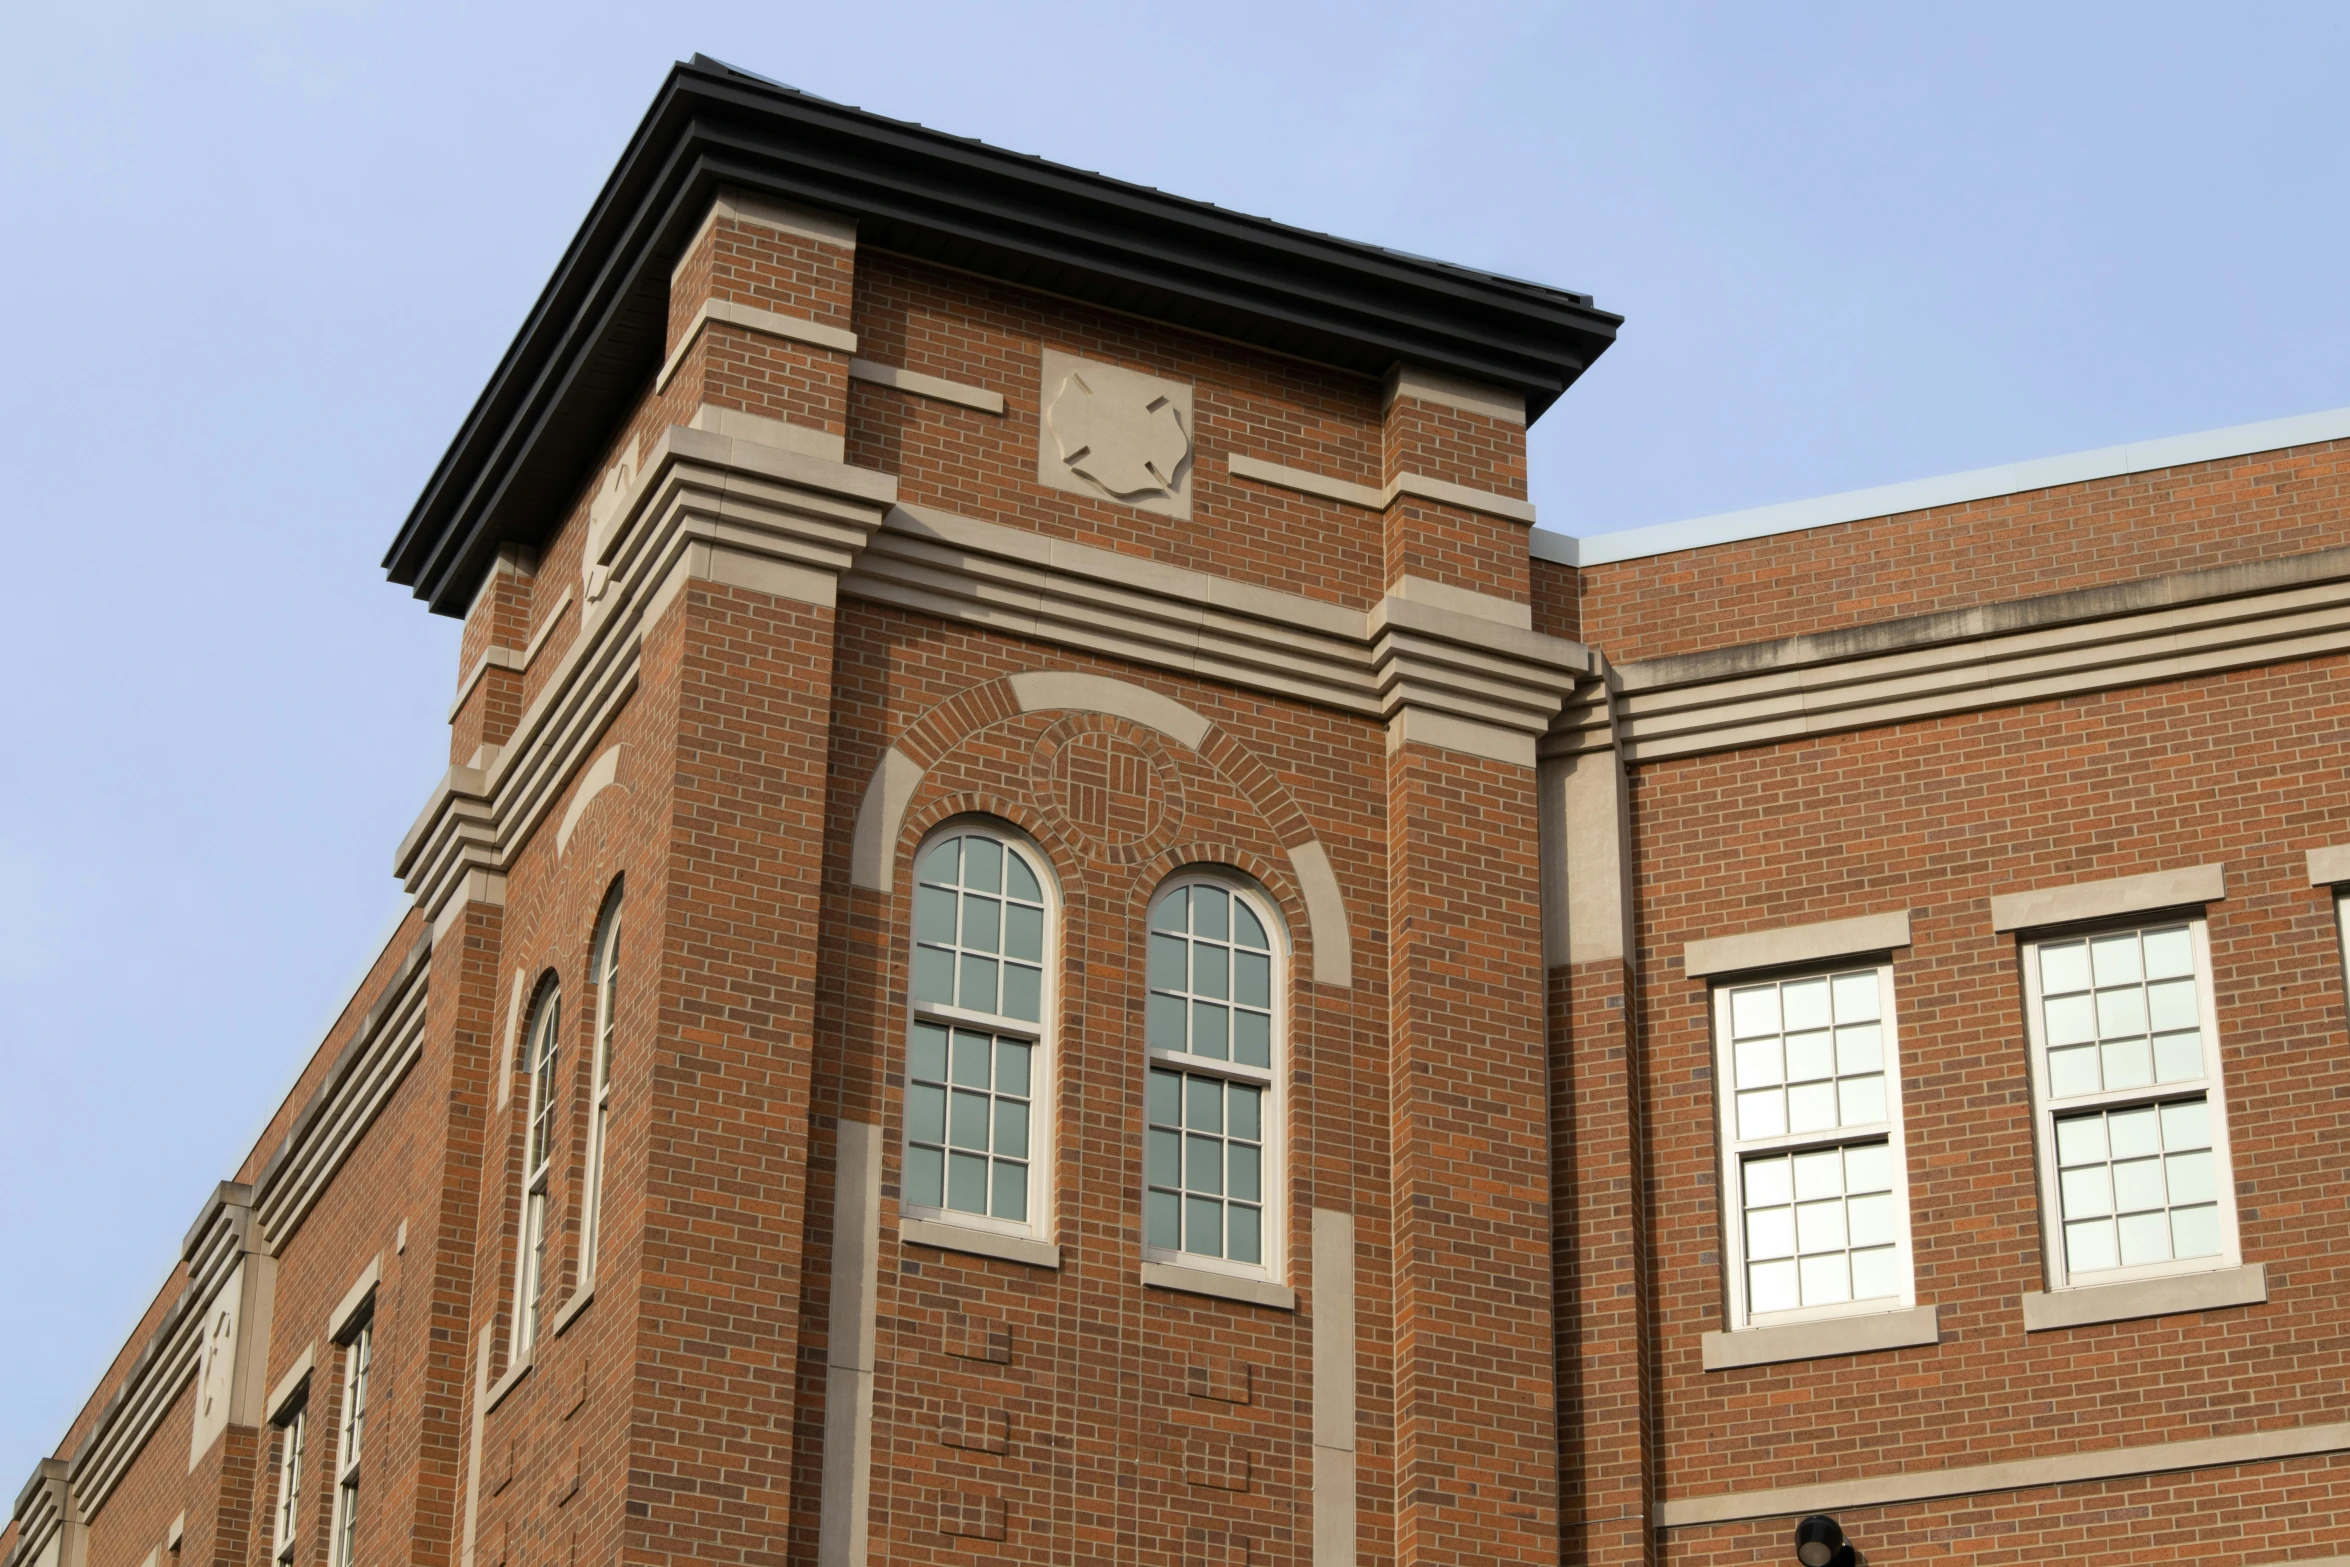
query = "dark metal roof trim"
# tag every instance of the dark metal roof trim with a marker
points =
(596, 335)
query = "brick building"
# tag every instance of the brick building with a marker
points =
(1054, 934)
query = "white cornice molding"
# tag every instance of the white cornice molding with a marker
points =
(752, 318)
(1476, 683)
(1999, 655)
(701, 505)
(1027, 584)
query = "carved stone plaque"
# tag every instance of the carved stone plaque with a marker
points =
(1115, 434)
(216, 1365)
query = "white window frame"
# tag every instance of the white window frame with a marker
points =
(1273, 1079)
(1733, 1150)
(605, 974)
(542, 1051)
(2047, 1110)
(351, 1442)
(1042, 1035)
(285, 1526)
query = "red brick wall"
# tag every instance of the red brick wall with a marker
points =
(2259, 507)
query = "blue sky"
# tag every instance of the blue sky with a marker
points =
(265, 257)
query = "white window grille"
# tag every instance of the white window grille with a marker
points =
(293, 1431)
(1212, 1033)
(606, 970)
(545, 1049)
(351, 1444)
(1814, 1179)
(978, 1055)
(2130, 1115)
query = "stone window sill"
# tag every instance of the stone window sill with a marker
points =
(1824, 1339)
(505, 1384)
(980, 1243)
(572, 1308)
(1224, 1286)
(2163, 1297)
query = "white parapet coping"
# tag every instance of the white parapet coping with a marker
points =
(1951, 489)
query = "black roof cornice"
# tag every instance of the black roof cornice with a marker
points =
(596, 334)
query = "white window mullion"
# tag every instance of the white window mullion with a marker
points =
(2128, 1110)
(1815, 1187)
(978, 1129)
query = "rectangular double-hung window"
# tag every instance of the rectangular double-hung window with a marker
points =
(1815, 1189)
(350, 1444)
(2129, 1116)
(293, 1434)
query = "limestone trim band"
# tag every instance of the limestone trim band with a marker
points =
(937, 388)
(518, 660)
(1222, 1286)
(2329, 866)
(703, 505)
(2074, 902)
(2163, 1297)
(1822, 1340)
(944, 1236)
(1335, 1377)
(851, 1333)
(2000, 655)
(767, 323)
(1828, 940)
(881, 812)
(2023, 1474)
(1372, 498)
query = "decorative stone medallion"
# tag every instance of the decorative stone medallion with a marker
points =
(1115, 434)
(1113, 786)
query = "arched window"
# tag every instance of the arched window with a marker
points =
(538, 1156)
(1213, 1032)
(978, 1128)
(604, 972)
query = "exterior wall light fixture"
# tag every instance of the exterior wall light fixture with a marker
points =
(1819, 1542)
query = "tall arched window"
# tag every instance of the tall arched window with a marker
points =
(1213, 1032)
(978, 1130)
(604, 970)
(538, 1156)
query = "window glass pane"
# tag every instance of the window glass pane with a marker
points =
(1166, 1158)
(2064, 967)
(944, 863)
(1167, 961)
(1166, 1098)
(2110, 993)
(1163, 1220)
(1011, 1128)
(1203, 1104)
(1754, 1011)
(1247, 929)
(967, 1182)
(934, 975)
(1803, 1005)
(1245, 1175)
(976, 990)
(1203, 1164)
(1023, 993)
(1252, 1039)
(934, 914)
(1244, 1238)
(1203, 1226)
(1821, 1227)
(1208, 1022)
(926, 1112)
(983, 864)
(1163, 1022)
(2178, 1058)
(1019, 880)
(982, 924)
(1760, 1062)
(2134, 1183)
(1857, 1000)
(1252, 978)
(967, 1120)
(1011, 1191)
(1860, 1048)
(1172, 911)
(1245, 1106)
(1209, 966)
(973, 1058)
(2169, 953)
(1024, 932)
(926, 1177)
(2113, 960)
(1011, 1067)
(1810, 1057)
(927, 1057)
(1208, 907)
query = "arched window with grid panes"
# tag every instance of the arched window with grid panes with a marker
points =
(980, 1037)
(542, 1052)
(1213, 1034)
(604, 973)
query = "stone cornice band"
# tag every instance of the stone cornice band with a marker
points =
(2023, 1474)
(1997, 655)
(1371, 498)
(751, 318)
